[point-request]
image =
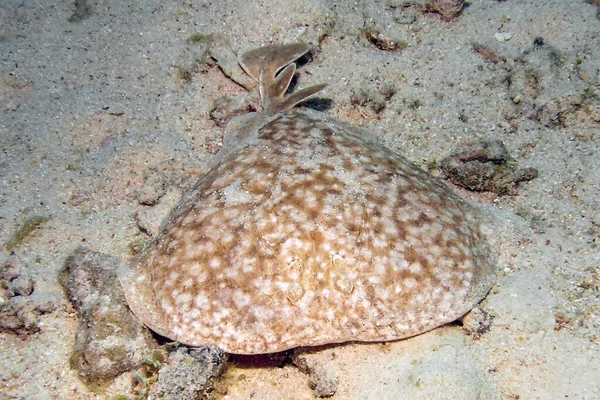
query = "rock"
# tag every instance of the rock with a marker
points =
(22, 286)
(21, 314)
(189, 373)
(15, 281)
(21, 308)
(110, 340)
(485, 166)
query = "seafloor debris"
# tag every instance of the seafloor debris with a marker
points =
(110, 340)
(189, 373)
(578, 311)
(553, 87)
(485, 166)
(382, 42)
(490, 55)
(587, 66)
(447, 9)
(21, 305)
(374, 98)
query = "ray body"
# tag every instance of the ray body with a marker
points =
(306, 232)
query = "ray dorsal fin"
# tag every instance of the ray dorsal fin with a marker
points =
(262, 65)
(297, 97)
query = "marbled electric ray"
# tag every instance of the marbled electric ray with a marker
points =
(305, 232)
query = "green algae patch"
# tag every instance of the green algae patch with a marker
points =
(28, 229)
(82, 11)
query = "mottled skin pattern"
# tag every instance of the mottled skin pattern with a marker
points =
(310, 234)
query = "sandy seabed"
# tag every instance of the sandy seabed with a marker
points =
(96, 97)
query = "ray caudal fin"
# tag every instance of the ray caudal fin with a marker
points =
(262, 65)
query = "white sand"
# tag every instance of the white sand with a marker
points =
(87, 108)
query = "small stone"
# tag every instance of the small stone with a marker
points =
(190, 373)
(502, 36)
(16, 317)
(322, 379)
(9, 273)
(22, 286)
(154, 187)
(477, 322)
(14, 281)
(322, 384)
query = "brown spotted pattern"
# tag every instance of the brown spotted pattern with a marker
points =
(311, 235)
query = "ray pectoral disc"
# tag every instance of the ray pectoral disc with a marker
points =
(307, 233)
